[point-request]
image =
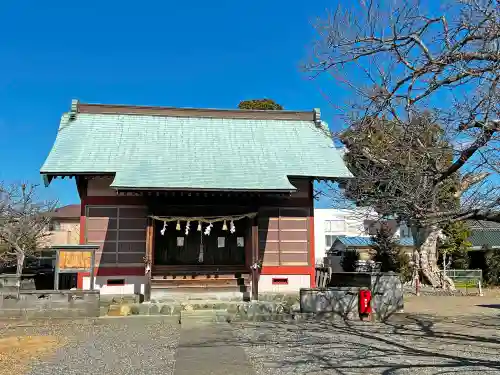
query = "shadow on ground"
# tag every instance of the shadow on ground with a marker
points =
(406, 344)
(493, 306)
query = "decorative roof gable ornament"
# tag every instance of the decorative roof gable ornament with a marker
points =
(317, 117)
(74, 109)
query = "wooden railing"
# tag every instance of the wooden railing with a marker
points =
(323, 275)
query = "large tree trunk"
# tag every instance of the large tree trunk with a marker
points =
(416, 265)
(20, 257)
(20, 264)
(426, 261)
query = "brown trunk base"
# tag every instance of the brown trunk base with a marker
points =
(426, 261)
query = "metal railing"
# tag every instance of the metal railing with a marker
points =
(466, 278)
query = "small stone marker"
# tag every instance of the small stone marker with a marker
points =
(125, 310)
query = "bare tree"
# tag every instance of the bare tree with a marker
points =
(23, 224)
(397, 61)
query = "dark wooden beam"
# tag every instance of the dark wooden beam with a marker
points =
(196, 112)
(81, 186)
(255, 259)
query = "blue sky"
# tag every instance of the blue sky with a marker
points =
(188, 54)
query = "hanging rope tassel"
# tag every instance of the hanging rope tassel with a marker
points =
(164, 228)
(200, 255)
(208, 220)
(208, 229)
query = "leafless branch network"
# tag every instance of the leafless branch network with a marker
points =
(23, 223)
(400, 61)
(423, 115)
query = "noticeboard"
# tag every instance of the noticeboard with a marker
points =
(74, 259)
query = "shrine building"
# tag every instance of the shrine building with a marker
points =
(189, 200)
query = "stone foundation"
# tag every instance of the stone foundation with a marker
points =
(49, 304)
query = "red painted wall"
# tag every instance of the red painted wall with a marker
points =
(133, 271)
(85, 201)
(303, 200)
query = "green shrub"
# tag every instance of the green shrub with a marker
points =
(390, 255)
(460, 260)
(348, 261)
(492, 274)
(403, 266)
(455, 245)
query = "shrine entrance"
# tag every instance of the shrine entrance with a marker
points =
(189, 244)
(193, 254)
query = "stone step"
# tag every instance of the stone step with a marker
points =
(199, 282)
(195, 312)
(193, 317)
(197, 290)
(199, 276)
(167, 284)
(180, 295)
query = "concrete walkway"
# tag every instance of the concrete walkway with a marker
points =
(210, 349)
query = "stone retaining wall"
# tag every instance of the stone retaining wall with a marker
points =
(8, 282)
(386, 289)
(49, 304)
(341, 301)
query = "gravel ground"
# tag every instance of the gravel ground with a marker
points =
(435, 335)
(107, 346)
(409, 345)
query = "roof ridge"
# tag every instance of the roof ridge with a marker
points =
(254, 114)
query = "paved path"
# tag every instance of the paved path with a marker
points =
(210, 349)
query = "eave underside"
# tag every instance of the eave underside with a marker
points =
(48, 177)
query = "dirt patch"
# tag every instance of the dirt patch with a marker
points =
(487, 305)
(16, 352)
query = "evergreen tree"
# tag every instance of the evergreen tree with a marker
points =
(389, 254)
(387, 250)
(492, 274)
(454, 247)
(348, 260)
(261, 104)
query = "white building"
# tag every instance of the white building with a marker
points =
(357, 222)
(332, 222)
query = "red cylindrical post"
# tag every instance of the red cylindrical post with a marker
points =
(365, 297)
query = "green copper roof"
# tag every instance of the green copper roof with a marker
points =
(485, 238)
(484, 234)
(159, 152)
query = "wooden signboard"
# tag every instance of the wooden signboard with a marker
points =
(74, 259)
